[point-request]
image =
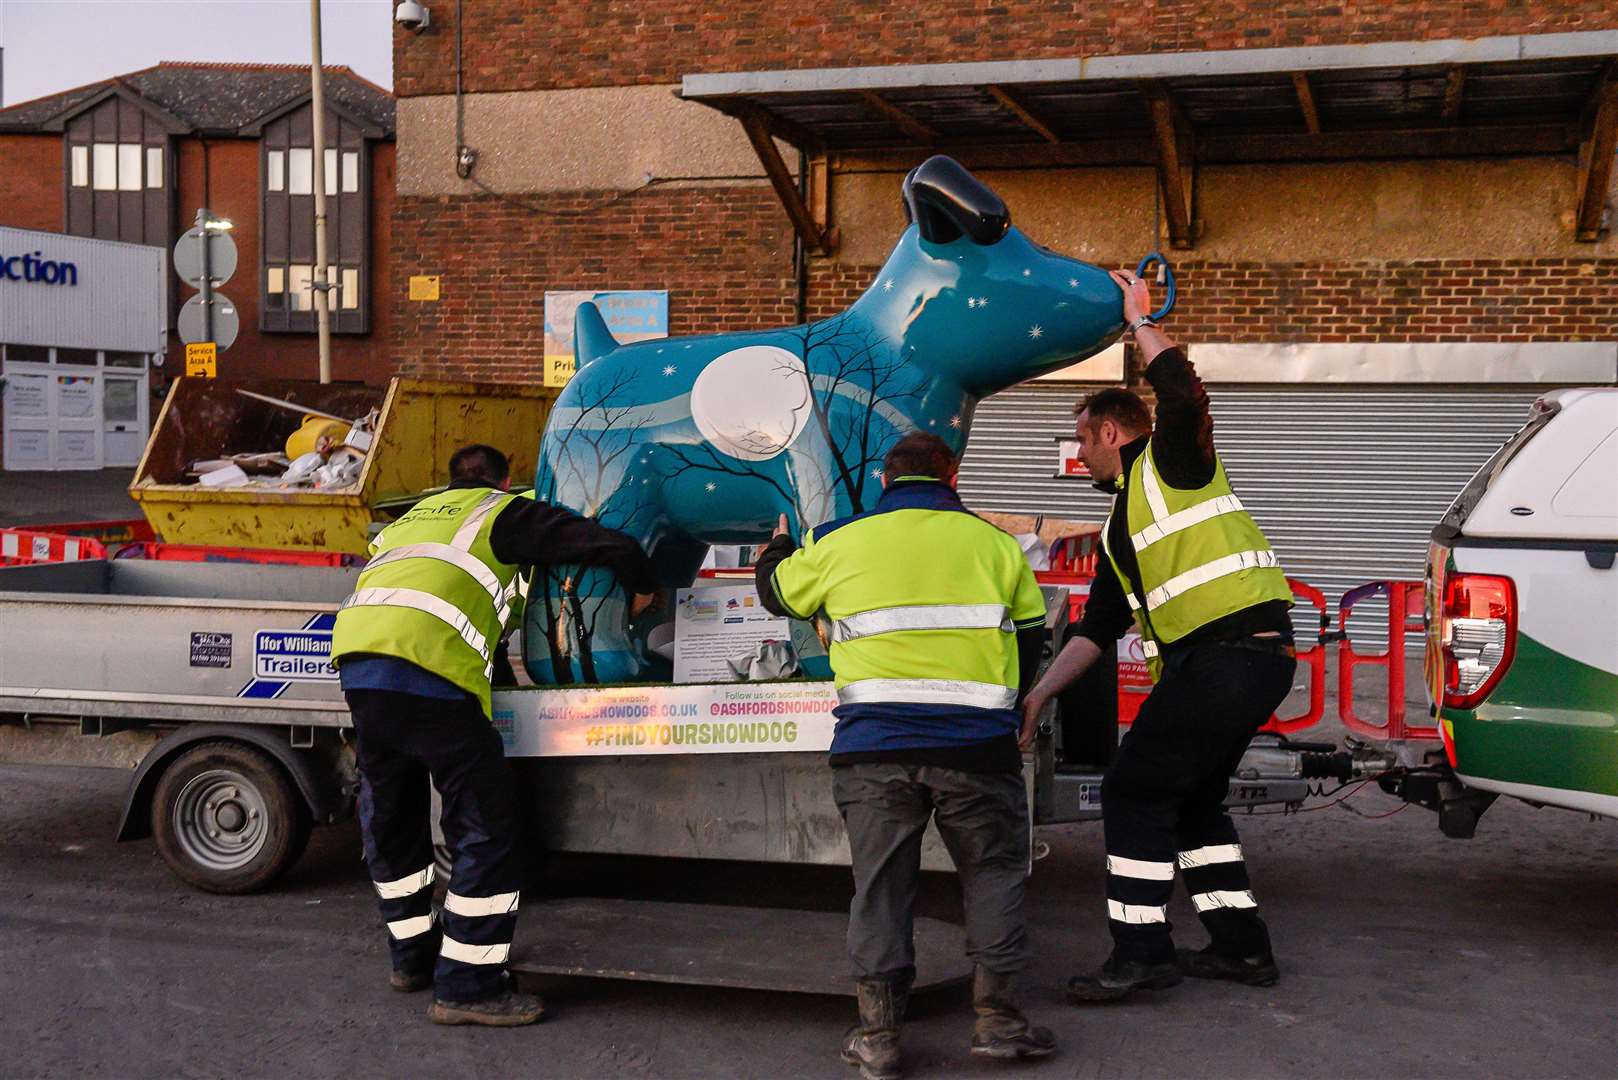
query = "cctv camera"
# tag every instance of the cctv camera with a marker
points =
(412, 16)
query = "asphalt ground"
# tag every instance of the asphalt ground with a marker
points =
(43, 498)
(1405, 954)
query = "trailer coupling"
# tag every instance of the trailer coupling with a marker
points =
(1276, 769)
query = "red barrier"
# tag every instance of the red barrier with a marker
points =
(262, 556)
(1313, 658)
(1405, 600)
(25, 547)
(127, 531)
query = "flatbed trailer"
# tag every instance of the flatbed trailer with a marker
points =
(212, 683)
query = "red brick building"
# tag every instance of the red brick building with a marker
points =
(1391, 223)
(133, 157)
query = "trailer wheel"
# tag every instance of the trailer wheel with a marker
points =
(227, 819)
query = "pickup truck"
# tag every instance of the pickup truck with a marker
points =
(1522, 622)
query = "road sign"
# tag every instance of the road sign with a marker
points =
(188, 256)
(226, 323)
(202, 360)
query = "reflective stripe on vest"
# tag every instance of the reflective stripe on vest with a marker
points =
(1209, 571)
(1184, 519)
(923, 617)
(428, 604)
(929, 692)
(460, 559)
(468, 532)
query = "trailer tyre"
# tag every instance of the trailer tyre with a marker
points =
(227, 818)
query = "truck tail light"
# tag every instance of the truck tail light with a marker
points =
(1478, 635)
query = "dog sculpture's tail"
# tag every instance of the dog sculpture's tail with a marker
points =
(591, 338)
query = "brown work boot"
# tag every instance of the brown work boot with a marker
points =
(1002, 1031)
(408, 982)
(873, 1043)
(506, 1010)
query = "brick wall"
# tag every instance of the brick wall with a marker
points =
(724, 254)
(1362, 301)
(32, 168)
(233, 192)
(512, 46)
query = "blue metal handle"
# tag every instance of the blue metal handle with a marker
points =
(1168, 280)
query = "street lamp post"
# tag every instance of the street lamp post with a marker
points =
(322, 282)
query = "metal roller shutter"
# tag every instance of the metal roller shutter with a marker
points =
(1345, 481)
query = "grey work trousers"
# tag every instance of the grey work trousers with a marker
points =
(983, 820)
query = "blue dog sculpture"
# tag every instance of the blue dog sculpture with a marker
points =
(688, 442)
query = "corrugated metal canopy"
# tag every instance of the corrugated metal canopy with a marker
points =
(1508, 94)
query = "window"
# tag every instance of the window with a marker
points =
(331, 172)
(275, 171)
(123, 359)
(105, 173)
(299, 278)
(351, 288)
(80, 165)
(154, 166)
(275, 287)
(351, 170)
(301, 171)
(129, 166)
(76, 356)
(28, 354)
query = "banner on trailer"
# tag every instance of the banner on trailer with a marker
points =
(721, 718)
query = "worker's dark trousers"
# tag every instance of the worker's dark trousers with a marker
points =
(1163, 801)
(983, 820)
(401, 739)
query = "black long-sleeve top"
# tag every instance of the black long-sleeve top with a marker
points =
(529, 533)
(1182, 447)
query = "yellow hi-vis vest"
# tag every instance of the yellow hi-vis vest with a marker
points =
(1201, 556)
(433, 592)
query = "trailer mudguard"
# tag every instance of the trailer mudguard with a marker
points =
(323, 795)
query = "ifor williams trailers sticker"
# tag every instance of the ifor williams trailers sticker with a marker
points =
(283, 657)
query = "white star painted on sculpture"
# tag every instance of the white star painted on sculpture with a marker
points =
(887, 286)
(687, 346)
(1073, 283)
(669, 369)
(971, 301)
(955, 421)
(876, 474)
(932, 423)
(660, 352)
(710, 486)
(1036, 332)
(983, 301)
(1027, 273)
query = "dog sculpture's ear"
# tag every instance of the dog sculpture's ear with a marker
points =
(945, 201)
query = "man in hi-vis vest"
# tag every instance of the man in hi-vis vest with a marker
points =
(1193, 572)
(417, 647)
(937, 624)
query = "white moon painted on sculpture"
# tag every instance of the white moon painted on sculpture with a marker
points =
(752, 402)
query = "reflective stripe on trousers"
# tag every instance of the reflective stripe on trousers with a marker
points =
(929, 692)
(1136, 913)
(405, 886)
(922, 617)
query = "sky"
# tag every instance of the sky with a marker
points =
(51, 45)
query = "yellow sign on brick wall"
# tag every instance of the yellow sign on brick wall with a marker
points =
(202, 360)
(558, 370)
(424, 286)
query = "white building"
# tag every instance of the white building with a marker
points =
(81, 323)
